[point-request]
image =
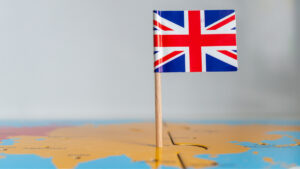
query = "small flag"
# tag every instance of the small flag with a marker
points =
(195, 41)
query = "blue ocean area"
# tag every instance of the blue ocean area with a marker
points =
(282, 141)
(113, 162)
(8, 142)
(25, 161)
(282, 156)
(37, 162)
(40, 139)
(121, 161)
(295, 134)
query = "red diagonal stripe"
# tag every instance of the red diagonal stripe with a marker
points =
(161, 26)
(224, 22)
(167, 57)
(225, 52)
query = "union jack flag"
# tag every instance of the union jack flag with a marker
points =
(195, 41)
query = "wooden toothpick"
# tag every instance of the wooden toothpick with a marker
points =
(158, 111)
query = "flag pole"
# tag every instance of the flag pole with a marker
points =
(158, 112)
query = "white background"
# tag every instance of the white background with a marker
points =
(92, 59)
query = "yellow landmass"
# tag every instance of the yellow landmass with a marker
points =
(268, 160)
(2, 156)
(69, 146)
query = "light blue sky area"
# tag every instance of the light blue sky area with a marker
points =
(282, 156)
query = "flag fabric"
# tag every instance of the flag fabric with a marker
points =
(195, 41)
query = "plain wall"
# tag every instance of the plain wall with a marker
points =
(93, 59)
